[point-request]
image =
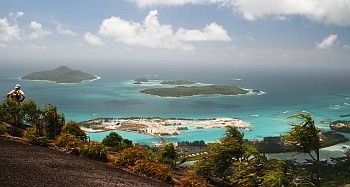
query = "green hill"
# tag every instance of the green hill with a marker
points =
(62, 74)
(181, 91)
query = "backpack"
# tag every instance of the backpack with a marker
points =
(16, 95)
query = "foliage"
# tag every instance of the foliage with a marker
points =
(238, 163)
(95, 150)
(305, 138)
(2, 128)
(155, 170)
(116, 142)
(129, 156)
(192, 179)
(32, 136)
(74, 129)
(180, 91)
(53, 121)
(67, 141)
(167, 154)
(11, 112)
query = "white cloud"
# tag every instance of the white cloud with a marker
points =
(9, 32)
(150, 33)
(65, 31)
(212, 32)
(327, 42)
(16, 15)
(334, 12)
(38, 32)
(92, 39)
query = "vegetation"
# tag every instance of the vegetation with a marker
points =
(95, 150)
(305, 138)
(181, 91)
(116, 142)
(237, 163)
(232, 161)
(178, 82)
(74, 129)
(68, 141)
(2, 128)
(62, 74)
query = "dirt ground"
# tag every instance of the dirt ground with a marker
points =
(30, 165)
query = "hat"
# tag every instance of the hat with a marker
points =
(17, 86)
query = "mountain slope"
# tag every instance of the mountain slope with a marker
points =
(62, 74)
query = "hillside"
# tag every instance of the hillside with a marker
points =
(62, 74)
(27, 165)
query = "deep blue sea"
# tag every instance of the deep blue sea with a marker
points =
(323, 94)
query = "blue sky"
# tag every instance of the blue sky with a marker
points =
(228, 33)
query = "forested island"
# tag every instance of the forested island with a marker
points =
(181, 91)
(62, 74)
(178, 82)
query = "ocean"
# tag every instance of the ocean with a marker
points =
(324, 94)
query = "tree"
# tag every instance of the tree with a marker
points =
(116, 142)
(53, 121)
(305, 138)
(74, 129)
(32, 115)
(238, 163)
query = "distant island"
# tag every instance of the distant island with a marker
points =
(62, 74)
(181, 91)
(178, 82)
(340, 126)
(140, 80)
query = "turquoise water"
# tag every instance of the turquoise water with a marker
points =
(325, 98)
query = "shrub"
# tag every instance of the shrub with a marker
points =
(73, 128)
(192, 179)
(116, 142)
(95, 150)
(2, 129)
(32, 136)
(154, 170)
(129, 156)
(67, 141)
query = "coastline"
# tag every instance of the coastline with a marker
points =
(161, 126)
(48, 81)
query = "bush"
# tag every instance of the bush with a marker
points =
(67, 141)
(32, 136)
(116, 142)
(129, 156)
(191, 179)
(95, 150)
(73, 128)
(154, 170)
(2, 129)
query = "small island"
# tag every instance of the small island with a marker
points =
(181, 91)
(140, 80)
(178, 82)
(340, 126)
(62, 74)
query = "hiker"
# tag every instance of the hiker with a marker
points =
(17, 94)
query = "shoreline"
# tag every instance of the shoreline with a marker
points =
(48, 81)
(160, 126)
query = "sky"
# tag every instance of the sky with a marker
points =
(260, 34)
